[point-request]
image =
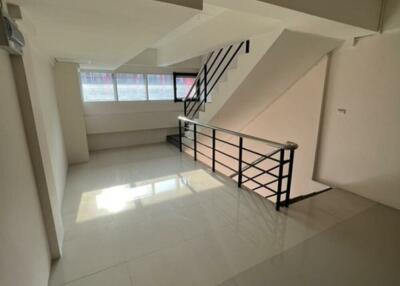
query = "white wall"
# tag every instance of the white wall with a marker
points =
(154, 69)
(24, 252)
(289, 58)
(359, 151)
(108, 117)
(37, 98)
(295, 117)
(237, 73)
(128, 139)
(392, 15)
(122, 124)
(71, 112)
(50, 127)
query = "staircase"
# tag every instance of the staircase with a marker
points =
(270, 173)
(283, 58)
(214, 69)
(225, 69)
(237, 73)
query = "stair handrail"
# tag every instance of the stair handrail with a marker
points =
(219, 76)
(198, 77)
(206, 92)
(257, 161)
(199, 81)
(260, 179)
(286, 146)
(202, 81)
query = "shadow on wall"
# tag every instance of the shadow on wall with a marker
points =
(392, 15)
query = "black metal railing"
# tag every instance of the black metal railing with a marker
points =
(268, 174)
(209, 75)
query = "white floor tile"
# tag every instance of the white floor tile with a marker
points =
(151, 216)
(114, 276)
(88, 255)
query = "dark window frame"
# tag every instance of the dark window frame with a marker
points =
(177, 75)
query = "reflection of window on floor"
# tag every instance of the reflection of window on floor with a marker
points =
(125, 197)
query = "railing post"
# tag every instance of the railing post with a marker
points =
(205, 83)
(213, 149)
(198, 90)
(195, 141)
(240, 177)
(289, 180)
(280, 179)
(180, 135)
(185, 107)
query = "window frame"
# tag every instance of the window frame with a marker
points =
(181, 74)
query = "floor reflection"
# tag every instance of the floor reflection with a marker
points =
(152, 216)
(120, 198)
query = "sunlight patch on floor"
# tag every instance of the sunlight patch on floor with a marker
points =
(120, 198)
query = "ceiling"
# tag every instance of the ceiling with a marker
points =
(205, 33)
(100, 33)
(106, 34)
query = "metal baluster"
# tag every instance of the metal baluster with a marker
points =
(289, 180)
(180, 135)
(247, 46)
(280, 179)
(213, 149)
(198, 86)
(195, 141)
(240, 161)
(205, 83)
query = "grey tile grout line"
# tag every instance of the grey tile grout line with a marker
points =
(94, 273)
(126, 261)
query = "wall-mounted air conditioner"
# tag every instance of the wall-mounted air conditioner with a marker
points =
(11, 38)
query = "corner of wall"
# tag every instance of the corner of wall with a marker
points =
(71, 112)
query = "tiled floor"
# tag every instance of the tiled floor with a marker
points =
(362, 250)
(149, 216)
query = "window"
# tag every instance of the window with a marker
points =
(106, 86)
(160, 86)
(131, 87)
(183, 83)
(97, 86)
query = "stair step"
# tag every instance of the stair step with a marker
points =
(173, 139)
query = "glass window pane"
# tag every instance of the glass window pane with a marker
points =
(183, 85)
(131, 87)
(97, 86)
(160, 86)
